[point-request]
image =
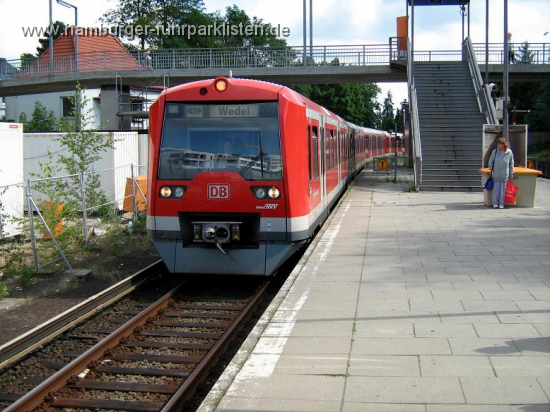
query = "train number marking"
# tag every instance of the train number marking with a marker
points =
(268, 206)
(218, 191)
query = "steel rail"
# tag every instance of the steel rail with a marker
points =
(200, 372)
(39, 394)
(33, 339)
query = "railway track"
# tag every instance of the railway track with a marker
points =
(141, 357)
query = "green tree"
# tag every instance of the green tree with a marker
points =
(344, 99)
(236, 17)
(372, 106)
(128, 15)
(525, 55)
(388, 116)
(399, 120)
(58, 28)
(540, 116)
(354, 102)
(84, 146)
(27, 59)
(24, 120)
(41, 120)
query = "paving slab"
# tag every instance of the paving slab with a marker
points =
(514, 366)
(378, 407)
(506, 391)
(403, 390)
(396, 366)
(455, 366)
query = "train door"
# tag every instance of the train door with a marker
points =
(352, 150)
(314, 165)
(322, 139)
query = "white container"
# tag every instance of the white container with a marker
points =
(12, 192)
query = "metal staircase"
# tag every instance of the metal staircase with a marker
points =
(451, 126)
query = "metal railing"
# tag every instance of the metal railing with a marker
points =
(540, 53)
(226, 58)
(415, 122)
(486, 104)
(252, 57)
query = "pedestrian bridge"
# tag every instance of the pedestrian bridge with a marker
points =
(287, 65)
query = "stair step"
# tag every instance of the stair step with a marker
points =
(438, 163)
(457, 188)
(432, 179)
(450, 173)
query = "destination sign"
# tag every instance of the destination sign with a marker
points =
(233, 110)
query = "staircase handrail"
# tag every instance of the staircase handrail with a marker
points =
(415, 123)
(482, 90)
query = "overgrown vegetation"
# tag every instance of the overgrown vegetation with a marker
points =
(60, 202)
(41, 120)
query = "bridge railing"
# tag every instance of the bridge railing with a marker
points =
(540, 53)
(226, 58)
(253, 57)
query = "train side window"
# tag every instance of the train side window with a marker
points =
(315, 149)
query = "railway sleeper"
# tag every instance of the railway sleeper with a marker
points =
(123, 386)
(142, 357)
(107, 404)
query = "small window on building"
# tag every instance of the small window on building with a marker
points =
(68, 107)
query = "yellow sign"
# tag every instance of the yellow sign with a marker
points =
(382, 163)
(530, 164)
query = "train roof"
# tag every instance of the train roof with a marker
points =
(262, 91)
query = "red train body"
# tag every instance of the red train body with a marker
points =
(242, 172)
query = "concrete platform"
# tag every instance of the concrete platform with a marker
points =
(407, 301)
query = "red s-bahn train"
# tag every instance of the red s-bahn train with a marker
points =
(242, 173)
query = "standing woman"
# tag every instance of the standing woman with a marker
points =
(502, 160)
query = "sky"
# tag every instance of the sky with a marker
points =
(335, 22)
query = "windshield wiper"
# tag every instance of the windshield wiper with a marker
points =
(253, 160)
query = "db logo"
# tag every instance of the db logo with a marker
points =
(218, 191)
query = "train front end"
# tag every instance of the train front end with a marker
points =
(215, 178)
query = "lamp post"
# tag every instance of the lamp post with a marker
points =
(69, 5)
(506, 58)
(50, 40)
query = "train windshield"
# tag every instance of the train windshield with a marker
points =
(242, 137)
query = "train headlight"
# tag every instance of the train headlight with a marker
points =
(274, 193)
(165, 192)
(260, 193)
(220, 85)
(179, 191)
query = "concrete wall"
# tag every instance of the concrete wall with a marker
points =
(15, 105)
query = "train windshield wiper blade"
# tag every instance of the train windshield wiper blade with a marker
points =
(252, 161)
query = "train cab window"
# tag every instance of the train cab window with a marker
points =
(242, 137)
(309, 151)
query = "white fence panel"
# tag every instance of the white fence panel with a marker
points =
(118, 159)
(11, 175)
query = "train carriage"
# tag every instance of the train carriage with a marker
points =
(242, 173)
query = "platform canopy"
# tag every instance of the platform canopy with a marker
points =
(439, 2)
